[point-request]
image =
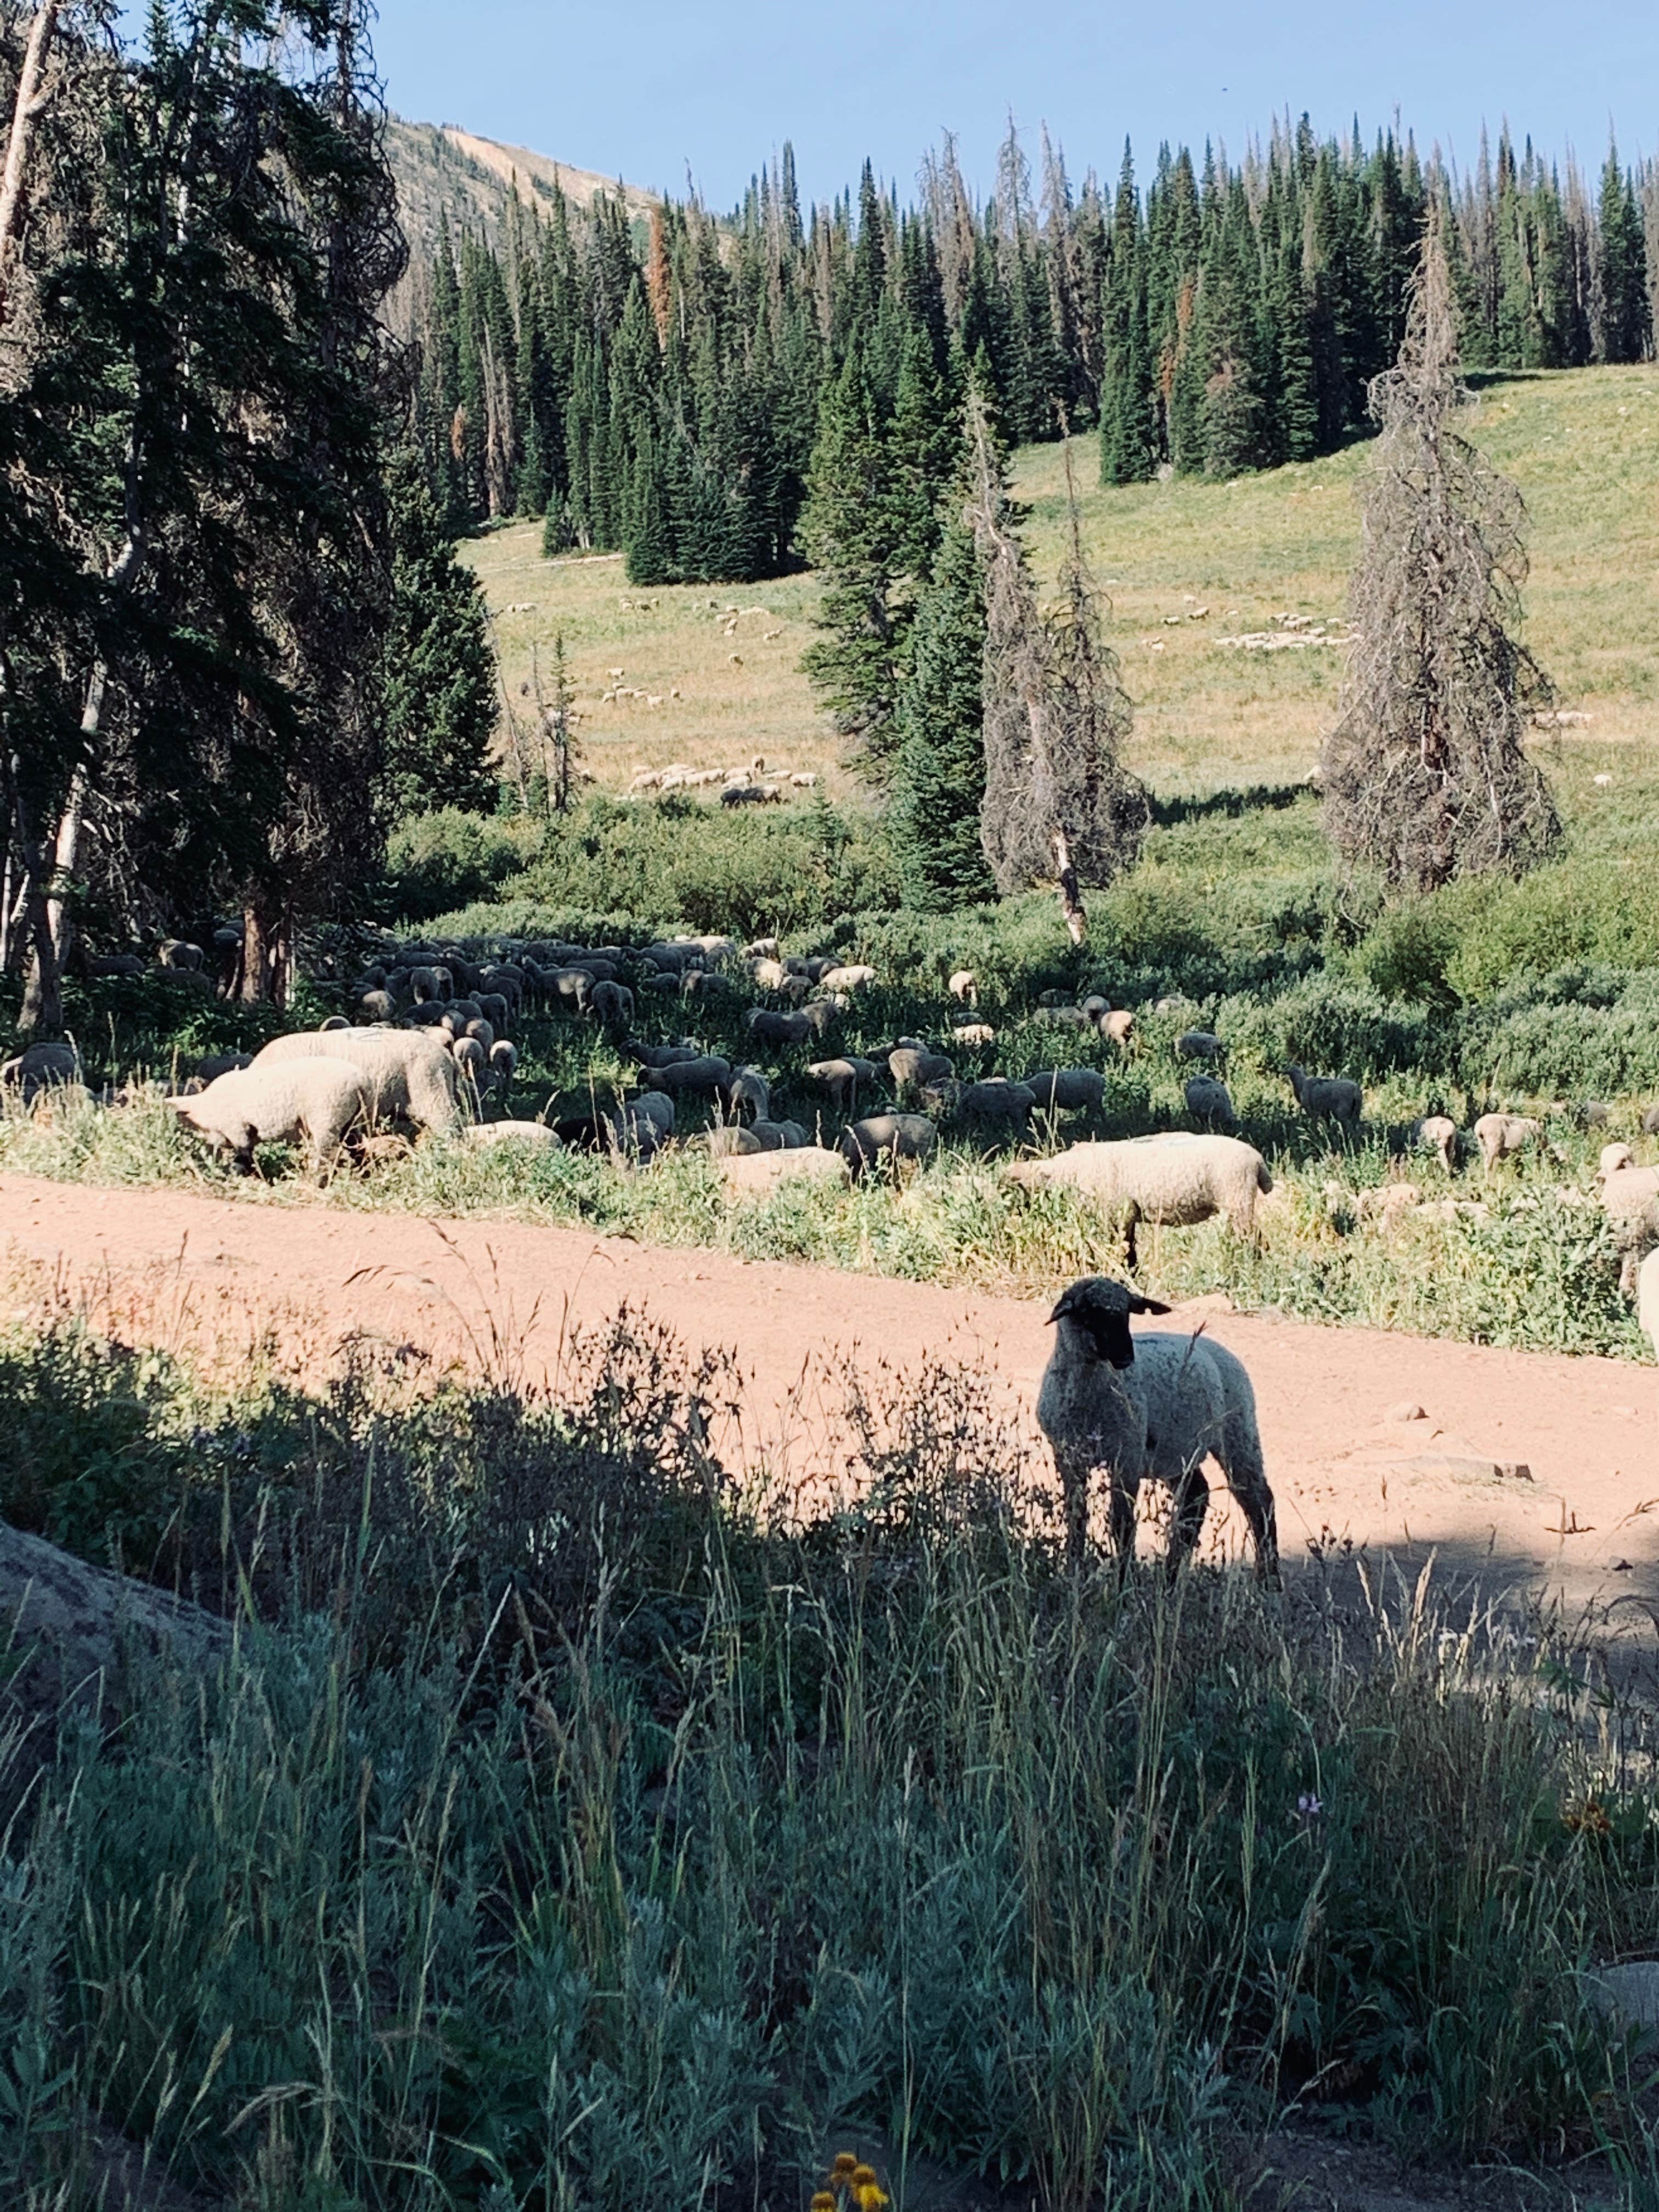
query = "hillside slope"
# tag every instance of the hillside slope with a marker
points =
(441, 170)
(1188, 564)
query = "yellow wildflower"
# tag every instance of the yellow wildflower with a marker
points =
(864, 2177)
(871, 2196)
(845, 2167)
(823, 2202)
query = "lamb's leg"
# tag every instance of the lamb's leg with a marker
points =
(1121, 1517)
(1247, 1478)
(1192, 1503)
(1074, 1493)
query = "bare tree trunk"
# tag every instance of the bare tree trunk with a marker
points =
(267, 961)
(29, 102)
(1071, 898)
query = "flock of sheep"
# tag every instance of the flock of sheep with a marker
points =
(426, 1045)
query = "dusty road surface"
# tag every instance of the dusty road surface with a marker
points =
(1523, 1467)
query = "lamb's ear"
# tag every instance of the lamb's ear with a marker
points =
(1137, 1304)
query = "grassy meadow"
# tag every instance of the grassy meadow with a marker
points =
(1583, 445)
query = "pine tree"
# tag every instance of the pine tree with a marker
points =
(938, 775)
(1426, 776)
(438, 680)
(847, 531)
(647, 537)
(1626, 317)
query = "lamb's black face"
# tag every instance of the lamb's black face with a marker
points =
(1101, 1308)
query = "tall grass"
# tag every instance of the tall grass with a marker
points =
(530, 1855)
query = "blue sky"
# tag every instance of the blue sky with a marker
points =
(642, 89)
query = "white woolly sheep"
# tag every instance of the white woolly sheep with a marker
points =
(408, 1072)
(1066, 1089)
(995, 1101)
(973, 1033)
(1326, 1098)
(1119, 1026)
(748, 1091)
(846, 979)
(1438, 1133)
(760, 1174)
(1156, 1406)
(1629, 1197)
(1200, 1044)
(319, 1099)
(1647, 1298)
(1174, 1179)
(842, 1078)
(1500, 1136)
(963, 987)
(708, 1076)
(39, 1066)
(911, 1066)
(1208, 1099)
(1614, 1157)
(779, 1136)
(888, 1136)
(535, 1136)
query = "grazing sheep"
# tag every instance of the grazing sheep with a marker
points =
(39, 1066)
(1209, 1100)
(503, 1062)
(1326, 1098)
(1119, 1026)
(319, 1099)
(1647, 1298)
(177, 952)
(612, 1003)
(535, 1136)
(771, 1028)
(891, 1136)
(1154, 1406)
(221, 1063)
(911, 1067)
(842, 1078)
(1500, 1136)
(768, 973)
(1066, 1089)
(103, 965)
(996, 1100)
(1201, 1044)
(407, 1073)
(973, 1033)
(1061, 1017)
(469, 1056)
(846, 979)
(1438, 1133)
(1614, 1157)
(377, 1006)
(963, 987)
(660, 1055)
(749, 1091)
(1175, 1179)
(779, 1136)
(708, 1076)
(732, 1141)
(759, 1175)
(1630, 1198)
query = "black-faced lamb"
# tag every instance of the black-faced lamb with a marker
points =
(1156, 1406)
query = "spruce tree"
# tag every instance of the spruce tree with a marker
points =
(848, 528)
(438, 664)
(1426, 776)
(1626, 316)
(939, 773)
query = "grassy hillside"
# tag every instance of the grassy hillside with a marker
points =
(1584, 445)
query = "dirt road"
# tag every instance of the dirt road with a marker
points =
(1584, 1517)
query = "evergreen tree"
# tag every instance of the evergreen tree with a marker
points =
(938, 775)
(1626, 317)
(438, 666)
(848, 528)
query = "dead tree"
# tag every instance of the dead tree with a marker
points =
(1425, 775)
(1059, 805)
